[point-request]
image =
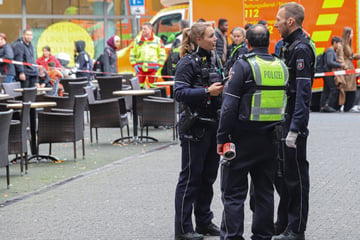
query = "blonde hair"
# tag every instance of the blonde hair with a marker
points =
(186, 45)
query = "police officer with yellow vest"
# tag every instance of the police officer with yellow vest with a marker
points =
(252, 109)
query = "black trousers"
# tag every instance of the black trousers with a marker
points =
(29, 82)
(329, 96)
(349, 100)
(294, 194)
(194, 190)
(256, 155)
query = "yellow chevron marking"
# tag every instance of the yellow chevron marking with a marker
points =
(320, 50)
(327, 19)
(333, 3)
(321, 36)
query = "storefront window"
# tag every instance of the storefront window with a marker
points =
(70, 7)
(10, 7)
(11, 28)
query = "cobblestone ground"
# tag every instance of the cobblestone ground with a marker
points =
(132, 198)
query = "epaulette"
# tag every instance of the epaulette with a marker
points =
(248, 55)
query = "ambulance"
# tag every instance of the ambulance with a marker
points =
(323, 20)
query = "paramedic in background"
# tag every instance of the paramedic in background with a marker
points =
(147, 55)
(299, 55)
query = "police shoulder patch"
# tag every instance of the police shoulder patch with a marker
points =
(300, 64)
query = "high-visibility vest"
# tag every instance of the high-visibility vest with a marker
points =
(269, 100)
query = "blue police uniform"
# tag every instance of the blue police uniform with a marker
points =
(256, 151)
(194, 73)
(299, 56)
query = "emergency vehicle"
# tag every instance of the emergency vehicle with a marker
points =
(323, 20)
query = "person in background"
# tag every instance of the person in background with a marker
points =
(24, 52)
(147, 55)
(6, 52)
(222, 43)
(237, 48)
(83, 61)
(299, 55)
(340, 79)
(198, 87)
(178, 35)
(110, 58)
(46, 58)
(43, 80)
(55, 75)
(247, 26)
(350, 79)
(263, 22)
(250, 115)
(329, 95)
(174, 56)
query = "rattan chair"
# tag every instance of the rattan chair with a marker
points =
(65, 82)
(158, 111)
(58, 127)
(5, 119)
(108, 85)
(107, 113)
(19, 136)
(9, 89)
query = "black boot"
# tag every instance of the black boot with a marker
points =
(189, 236)
(210, 229)
(290, 235)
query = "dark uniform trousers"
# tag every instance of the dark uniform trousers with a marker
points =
(293, 211)
(200, 163)
(256, 154)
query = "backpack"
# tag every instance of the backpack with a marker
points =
(171, 61)
(320, 64)
(99, 65)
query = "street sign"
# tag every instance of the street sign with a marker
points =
(137, 7)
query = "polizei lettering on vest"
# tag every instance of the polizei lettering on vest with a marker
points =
(273, 74)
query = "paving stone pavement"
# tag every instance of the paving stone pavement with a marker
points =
(133, 198)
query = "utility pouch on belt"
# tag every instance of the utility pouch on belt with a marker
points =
(189, 120)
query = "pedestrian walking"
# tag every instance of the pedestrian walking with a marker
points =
(198, 87)
(299, 55)
(253, 107)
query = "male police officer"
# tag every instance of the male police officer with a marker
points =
(298, 52)
(253, 106)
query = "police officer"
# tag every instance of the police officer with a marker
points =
(198, 87)
(298, 52)
(253, 107)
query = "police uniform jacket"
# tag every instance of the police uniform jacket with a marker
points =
(237, 98)
(300, 61)
(192, 77)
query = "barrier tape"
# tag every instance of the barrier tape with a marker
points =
(317, 75)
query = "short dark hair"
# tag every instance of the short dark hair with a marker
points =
(222, 21)
(335, 39)
(258, 36)
(47, 48)
(263, 22)
(247, 26)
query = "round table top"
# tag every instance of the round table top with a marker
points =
(38, 89)
(33, 105)
(165, 83)
(133, 92)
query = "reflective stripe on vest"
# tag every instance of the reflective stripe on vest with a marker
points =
(269, 100)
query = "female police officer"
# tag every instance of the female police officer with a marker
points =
(198, 87)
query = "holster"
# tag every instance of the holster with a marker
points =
(189, 121)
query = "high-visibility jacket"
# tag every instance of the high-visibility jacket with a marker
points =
(269, 98)
(149, 53)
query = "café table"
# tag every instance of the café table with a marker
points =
(167, 83)
(33, 127)
(40, 89)
(134, 94)
(4, 97)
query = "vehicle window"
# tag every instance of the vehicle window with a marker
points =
(166, 26)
